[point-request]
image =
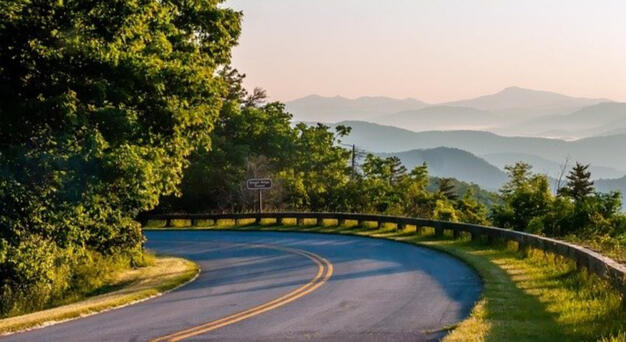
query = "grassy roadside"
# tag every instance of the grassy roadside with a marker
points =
(129, 286)
(528, 296)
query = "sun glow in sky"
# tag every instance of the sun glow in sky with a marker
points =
(432, 50)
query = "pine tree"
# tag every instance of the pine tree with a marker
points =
(447, 189)
(396, 169)
(579, 183)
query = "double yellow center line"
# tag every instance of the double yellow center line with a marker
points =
(324, 272)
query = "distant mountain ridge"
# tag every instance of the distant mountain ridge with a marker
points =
(506, 107)
(598, 119)
(441, 118)
(315, 108)
(545, 166)
(532, 103)
(454, 163)
(607, 151)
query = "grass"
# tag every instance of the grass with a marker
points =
(163, 274)
(613, 247)
(528, 295)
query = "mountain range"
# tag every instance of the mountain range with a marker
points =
(315, 108)
(453, 163)
(513, 111)
(604, 151)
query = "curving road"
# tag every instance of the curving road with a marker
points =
(264, 286)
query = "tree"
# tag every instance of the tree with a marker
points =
(101, 103)
(447, 189)
(525, 196)
(579, 184)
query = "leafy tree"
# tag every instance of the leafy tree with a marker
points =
(525, 197)
(101, 103)
(470, 210)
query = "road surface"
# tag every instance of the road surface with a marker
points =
(266, 286)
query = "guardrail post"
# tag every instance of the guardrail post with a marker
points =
(360, 223)
(300, 221)
(341, 222)
(257, 221)
(319, 222)
(438, 229)
(279, 221)
(380, 224)
(418, 230)
(456, 233)
(168, 223)
(400, 226)
(475, 236)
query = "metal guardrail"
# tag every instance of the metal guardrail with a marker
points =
(596, 263)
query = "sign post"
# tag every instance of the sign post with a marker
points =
(259, 184)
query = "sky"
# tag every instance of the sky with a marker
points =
(432, 50)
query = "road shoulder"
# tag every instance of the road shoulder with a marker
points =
(166, 274)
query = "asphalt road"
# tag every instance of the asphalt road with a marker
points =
(379, 290)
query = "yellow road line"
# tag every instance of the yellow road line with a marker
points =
(324, 272)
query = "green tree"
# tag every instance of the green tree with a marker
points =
(525, 196)
(470, 210)
(579, 184)
(101, 103)
(447, 189)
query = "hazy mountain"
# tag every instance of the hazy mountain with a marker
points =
(598, 119)
(522, 103)
(455, 163)
(315, 108)
(500, 112)
(607, 151)
(441, 118)
(548, 167)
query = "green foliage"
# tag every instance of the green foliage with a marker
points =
(579, 183)
(577, 212)
(525, 196)
(101, 103)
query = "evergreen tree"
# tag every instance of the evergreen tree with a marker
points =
(579, 183)
(396, 169)
(447, 189)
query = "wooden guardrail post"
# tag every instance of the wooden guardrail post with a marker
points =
(341, 222)
(456, 233)
(438, 229)
(380, 224)
(279, 221)
(400, 227)
(319, 222)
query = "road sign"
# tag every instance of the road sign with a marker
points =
(258, 183)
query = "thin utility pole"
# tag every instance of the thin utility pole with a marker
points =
(353, 160)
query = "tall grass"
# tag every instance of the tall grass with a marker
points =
(71, 279)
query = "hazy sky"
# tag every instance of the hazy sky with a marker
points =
(433, 50)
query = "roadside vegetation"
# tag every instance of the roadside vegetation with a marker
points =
(122, 287)
(101, 103)
(528, 295)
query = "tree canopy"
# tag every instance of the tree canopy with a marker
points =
(101, 103)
